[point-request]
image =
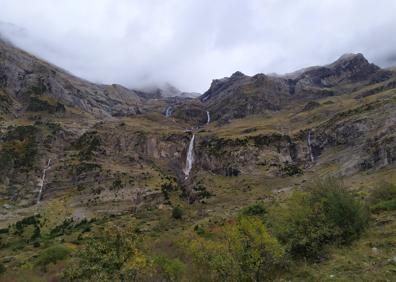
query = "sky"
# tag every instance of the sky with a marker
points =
(190, 42)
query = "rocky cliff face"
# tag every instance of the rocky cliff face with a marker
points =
(241, 95)
(24, 77)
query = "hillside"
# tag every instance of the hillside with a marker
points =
(80, 159)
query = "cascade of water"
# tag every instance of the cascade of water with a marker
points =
(190, 157)
(168, 111)
(310, 146)
(208, 115)
(42, 181)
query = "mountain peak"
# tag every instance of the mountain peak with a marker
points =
(237, 74)
(350, 58)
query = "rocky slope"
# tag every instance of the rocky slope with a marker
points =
(241, 95)
(27, 83)
(111, 147)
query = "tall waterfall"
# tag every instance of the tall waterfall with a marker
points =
(168, 111)
(310, 146)
(190, 157)
(42, 181)
(208, 115)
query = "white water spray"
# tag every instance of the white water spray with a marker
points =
(190, 158)
(168, 112)
(42, 181)
(310, 146)
(208, 115)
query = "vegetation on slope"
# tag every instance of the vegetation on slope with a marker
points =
(263, 242)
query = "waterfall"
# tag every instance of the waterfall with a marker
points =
(208, 115)
(42, 181)
(310, 146)
(168, 111)
(190, 157)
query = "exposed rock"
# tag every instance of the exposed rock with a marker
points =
(310, 106)
(23, 77)
(241, 95)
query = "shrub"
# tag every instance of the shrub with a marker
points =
(171, 269)
(36, 233)
(309, 221)
(19, 153)
(201, 191)
(112, 257)
(117, 184)
(177, 212)
(389, 205)
(240, 251)
(288, 169)
(52, 255)
(199, 230)
(347, 214)
(38, 105)
(60, 229)
(88, 144)
(257, 209)
(167, 186)
(31, 220)
(85, 167)
(2, 268)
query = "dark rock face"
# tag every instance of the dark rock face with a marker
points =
(348, 68)
(241, 95)
(23, 76)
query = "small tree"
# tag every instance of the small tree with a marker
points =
(177, 212)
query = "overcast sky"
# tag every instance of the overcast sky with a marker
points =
(190, 42)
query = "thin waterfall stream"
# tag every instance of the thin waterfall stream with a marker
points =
(42, 181)
(310, 146)
(208, 115)
(168, 111)
(190, 157)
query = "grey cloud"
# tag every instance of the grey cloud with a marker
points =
(188, 42)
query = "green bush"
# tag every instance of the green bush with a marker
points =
(88, 144)
(177, 213)
(62, 228)
(308, 221)
(389, 205)
(171, 269)
(52, 255)
(18, 154)
(38, 105)
(290, 169)
(2, 268)
(257, 209)
(167, 186)
(113, 256)
(347, 214)
(243, 250)
(201, 191)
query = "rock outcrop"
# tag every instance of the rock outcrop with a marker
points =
(241, 95)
